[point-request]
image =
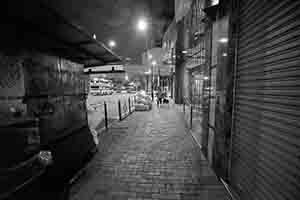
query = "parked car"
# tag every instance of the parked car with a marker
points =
(131, 91)
(106, 91)
(143, 101)
(110, 91)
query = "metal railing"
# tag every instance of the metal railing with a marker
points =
(102, 115)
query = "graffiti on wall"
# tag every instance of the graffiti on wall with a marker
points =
(10, 73)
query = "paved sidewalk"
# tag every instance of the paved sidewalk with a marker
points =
(149, 155)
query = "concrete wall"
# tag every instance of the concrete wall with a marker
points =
(12, 88)
(53, 90)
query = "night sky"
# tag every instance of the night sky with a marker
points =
(116, 20)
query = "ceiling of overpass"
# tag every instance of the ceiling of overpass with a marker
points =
(32, 25)
(116, 20)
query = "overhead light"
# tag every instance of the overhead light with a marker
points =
(206, 77)
(142, 24)
(224, 54)
(223, 40)
(150, 56)
(214, 2)
(154, 62)
(94, 36)
(148, 72)
(184, 51)
(111, 43)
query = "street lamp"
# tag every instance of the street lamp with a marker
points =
(147, 73)
(142, 25)
(153, 63)
(111, 44)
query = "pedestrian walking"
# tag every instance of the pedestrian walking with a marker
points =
(159, 97)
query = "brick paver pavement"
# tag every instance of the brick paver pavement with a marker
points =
(149, 155)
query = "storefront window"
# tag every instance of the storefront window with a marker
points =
(197, 87)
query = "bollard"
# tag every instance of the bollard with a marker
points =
(105, 115)
(133, 104)
(191, 117)
(129, 105)
(120, 114)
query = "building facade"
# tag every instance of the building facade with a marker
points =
(159, 70)
(169, 57)
(236, 61)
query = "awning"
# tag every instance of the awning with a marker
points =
(32, 24)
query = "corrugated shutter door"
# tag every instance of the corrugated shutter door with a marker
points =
(266, 141)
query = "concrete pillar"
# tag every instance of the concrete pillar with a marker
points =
(52, 90)
(179, 67)
(147, 82)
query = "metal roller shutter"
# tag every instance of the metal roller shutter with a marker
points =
(266, 140)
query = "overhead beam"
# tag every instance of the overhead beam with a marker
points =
(105, 72)
(83, 43)
(113, 62)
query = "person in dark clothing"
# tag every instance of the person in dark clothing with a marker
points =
(159, 97)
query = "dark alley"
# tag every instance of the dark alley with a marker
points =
(150, 100)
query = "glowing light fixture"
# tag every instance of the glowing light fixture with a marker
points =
(223, 40)
(111, 44)
(214, 2)
(148, 72)
(142, 24)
